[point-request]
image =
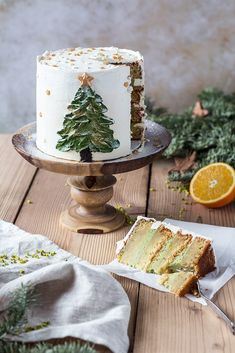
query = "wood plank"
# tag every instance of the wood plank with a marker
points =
(167, 324)
(49, 197)
(15, 178)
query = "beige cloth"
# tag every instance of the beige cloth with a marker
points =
(79, 299)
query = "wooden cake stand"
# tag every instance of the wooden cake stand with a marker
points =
(92, 183)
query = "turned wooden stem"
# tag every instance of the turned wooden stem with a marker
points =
(92, 214)
(91, 194)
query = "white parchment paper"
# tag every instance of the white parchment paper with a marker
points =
(223, 239)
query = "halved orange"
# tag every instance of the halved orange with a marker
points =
(214, 185)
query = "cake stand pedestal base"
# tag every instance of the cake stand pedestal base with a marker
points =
(92, 214)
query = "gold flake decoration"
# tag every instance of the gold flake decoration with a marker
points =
(48, 92)
(117, 57)
(85, 79)
(126, 84)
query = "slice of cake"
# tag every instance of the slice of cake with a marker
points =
(90, 102)
(180, 257)
(179, 283)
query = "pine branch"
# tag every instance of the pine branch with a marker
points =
(211, 134)
(14, 322)
(68, 347)
(14, 319)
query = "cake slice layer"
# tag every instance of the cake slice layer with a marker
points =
(141, 234)
(178, 283)
(170, 249)
(160, 237)
(189, 259)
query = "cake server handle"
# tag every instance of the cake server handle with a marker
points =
(218, 311)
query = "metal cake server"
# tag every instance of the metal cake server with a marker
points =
(217, 310)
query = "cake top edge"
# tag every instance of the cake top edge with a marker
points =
(155, 225)
(89, 59)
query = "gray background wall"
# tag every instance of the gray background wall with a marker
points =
(187, 45)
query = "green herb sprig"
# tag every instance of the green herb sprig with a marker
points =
(128, 219)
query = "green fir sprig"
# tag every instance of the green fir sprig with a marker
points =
(67, 347)
(14, 321)
(211, 136)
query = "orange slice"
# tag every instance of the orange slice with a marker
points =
(214, 185)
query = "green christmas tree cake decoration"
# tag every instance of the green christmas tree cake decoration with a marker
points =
(86, 128)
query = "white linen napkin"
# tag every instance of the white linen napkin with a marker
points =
(223, 240)
(78, 299)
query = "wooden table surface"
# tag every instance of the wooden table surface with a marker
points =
(160, 323)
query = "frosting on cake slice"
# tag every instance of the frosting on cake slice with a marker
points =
(179, 283)
(170, 249)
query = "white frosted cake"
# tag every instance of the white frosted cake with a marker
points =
(90, 102)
